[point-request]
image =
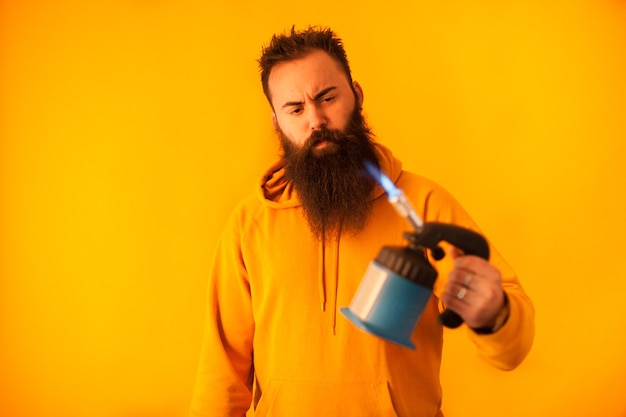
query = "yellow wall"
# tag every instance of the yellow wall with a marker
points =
(129, 129)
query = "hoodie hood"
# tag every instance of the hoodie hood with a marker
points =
(277, 192)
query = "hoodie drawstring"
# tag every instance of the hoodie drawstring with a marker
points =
(321, 274)
(328, 267)
(335, 271)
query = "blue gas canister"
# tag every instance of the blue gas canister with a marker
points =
(397, 285)
(392, 295)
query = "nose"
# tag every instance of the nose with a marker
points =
(317, 118)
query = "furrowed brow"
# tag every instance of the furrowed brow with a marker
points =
(317, 97)
(324, 92)
(292, 104)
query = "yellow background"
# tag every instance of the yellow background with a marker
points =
(129, 129)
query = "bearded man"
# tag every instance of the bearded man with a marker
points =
(295, 252)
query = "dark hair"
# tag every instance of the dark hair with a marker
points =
(297, 44)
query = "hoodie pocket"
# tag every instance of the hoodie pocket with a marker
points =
(283, 398)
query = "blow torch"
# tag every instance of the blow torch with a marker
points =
(398, 284)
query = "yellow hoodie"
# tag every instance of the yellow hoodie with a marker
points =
(273, 324)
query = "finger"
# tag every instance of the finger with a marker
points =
(472, 263)
(463, 277)
(452, 303)
(460, 295)
(455, 252)
(455, 293)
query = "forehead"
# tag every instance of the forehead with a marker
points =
(298, 78)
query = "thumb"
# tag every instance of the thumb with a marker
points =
(455, 252)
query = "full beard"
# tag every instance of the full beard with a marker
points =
(330, 181)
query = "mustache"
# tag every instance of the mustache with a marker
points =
(337, 137)
(323, 135)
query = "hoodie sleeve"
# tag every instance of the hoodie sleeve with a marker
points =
(507, 347)
(225, 372)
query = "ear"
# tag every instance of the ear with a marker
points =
(359, 92)
(274, 121)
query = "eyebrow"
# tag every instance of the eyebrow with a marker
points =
(317, 97)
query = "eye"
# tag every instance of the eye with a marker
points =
(296, 111)
(328, 99)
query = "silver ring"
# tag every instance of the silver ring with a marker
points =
(468, 279)
(461, 294)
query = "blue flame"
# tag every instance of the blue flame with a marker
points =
(382, 180)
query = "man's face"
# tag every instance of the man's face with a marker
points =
(309, 94)
(325, 141)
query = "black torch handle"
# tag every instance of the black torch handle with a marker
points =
(470, 242)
